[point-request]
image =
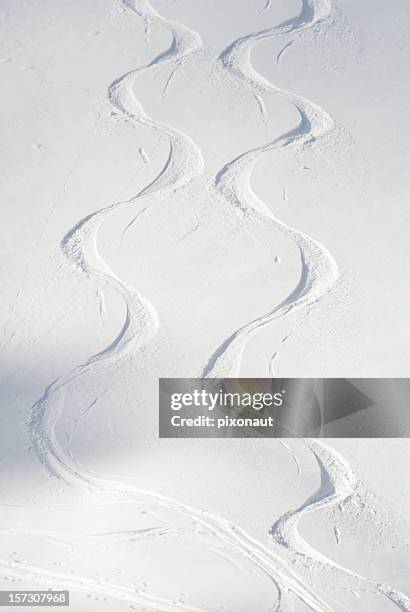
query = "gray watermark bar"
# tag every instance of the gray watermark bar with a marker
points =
(34, 598)
(284, 407)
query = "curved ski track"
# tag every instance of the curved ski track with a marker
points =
(319, 271)
(79, 245)
(338, 485)
(339, 480)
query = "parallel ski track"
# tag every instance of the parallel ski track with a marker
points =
(47, 410)
(338, 477)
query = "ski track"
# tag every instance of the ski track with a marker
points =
(61, 465)
(185, 162)
(338, 484)
(80, 245)
(128, 593)
(319, 271)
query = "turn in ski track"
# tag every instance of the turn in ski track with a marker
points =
(319, 273)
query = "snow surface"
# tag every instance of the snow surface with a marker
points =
(200, 187)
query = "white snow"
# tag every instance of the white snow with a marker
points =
(208, 187)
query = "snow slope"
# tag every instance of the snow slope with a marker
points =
(208, 187)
